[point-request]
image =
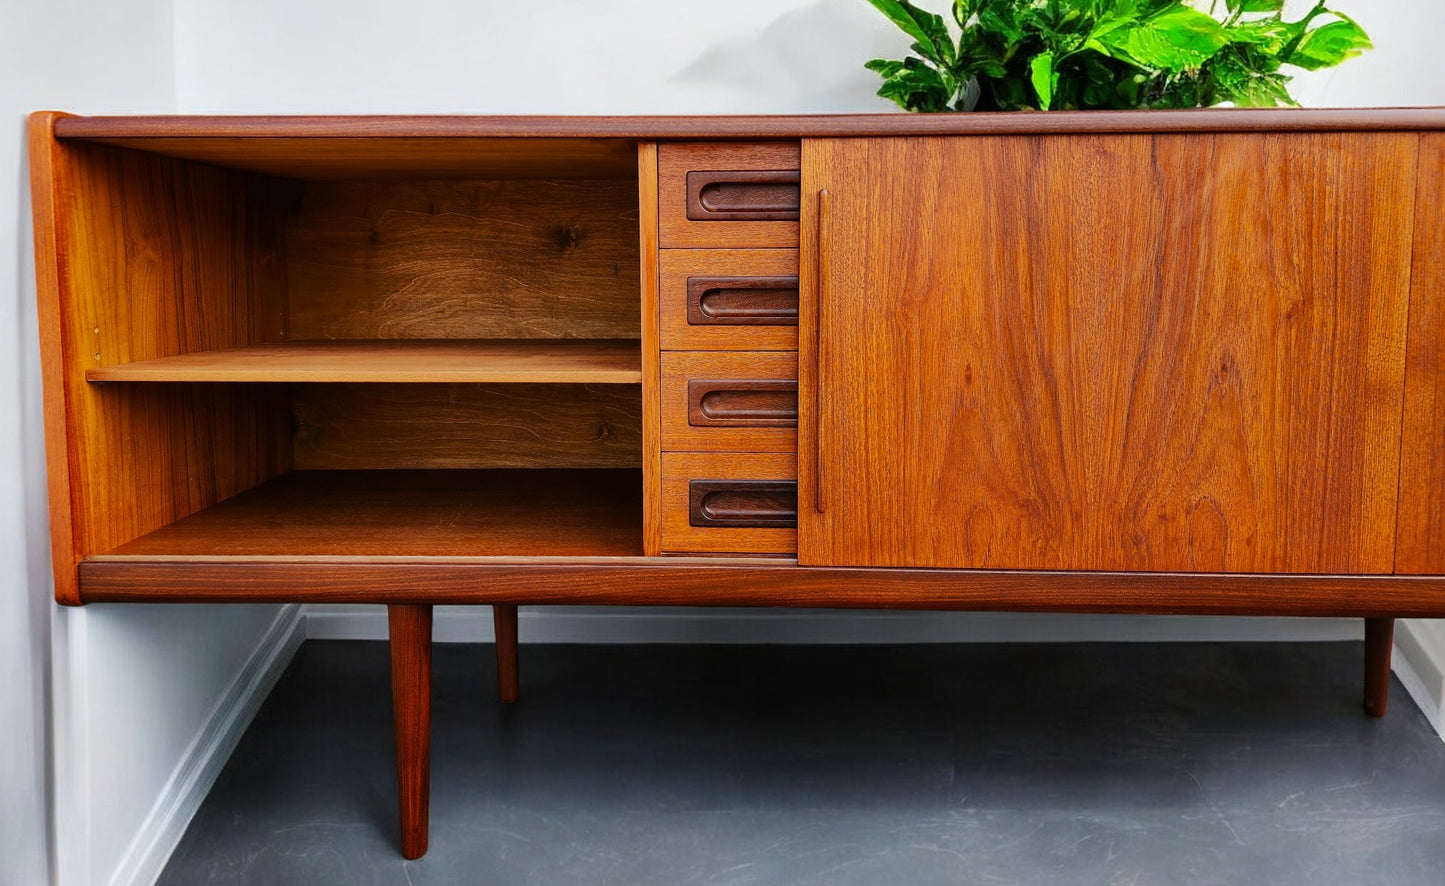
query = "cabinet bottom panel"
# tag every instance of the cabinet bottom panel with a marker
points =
(439, 513)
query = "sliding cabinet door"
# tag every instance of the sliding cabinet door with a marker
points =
(1117, 352)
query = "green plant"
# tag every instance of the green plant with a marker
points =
(1093, 54)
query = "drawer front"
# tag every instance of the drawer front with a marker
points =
(724, 194)
(729, 401)
(729, 299)
(729, 503)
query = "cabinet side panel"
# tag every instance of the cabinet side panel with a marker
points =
(651, 356)
(1420, 547)
(464, 259)
(159, 257)
(47, 168)
(1166, 353)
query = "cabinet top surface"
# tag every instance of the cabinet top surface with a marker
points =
(102, 128)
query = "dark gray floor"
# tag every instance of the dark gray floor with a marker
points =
(1062, 764)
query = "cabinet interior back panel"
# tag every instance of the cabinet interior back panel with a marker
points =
(385, 426)
(464, 259)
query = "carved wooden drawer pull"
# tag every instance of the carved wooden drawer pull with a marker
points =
(745, 195)
(742, 301)
(742, 403)
(743, 504)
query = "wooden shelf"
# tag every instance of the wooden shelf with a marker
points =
(560, 361)
(524, 513)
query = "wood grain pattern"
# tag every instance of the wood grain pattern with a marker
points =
(675, 161)
(736, 195)
(1067, 373)
(410, 629)
(389, 427)
(1420, 544)
(771, 126)
(677, 266)
(401, 157)
(679, 469)
(150, 258)
(555, 361)
(742, 403)
(651, 360)
(474, 259)
(730, 581)
(742, 301)
(743, 504)
(414, 513)
(1379, 644)
(509, 669)
(679, 368)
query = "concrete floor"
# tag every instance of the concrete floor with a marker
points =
(1061, 764)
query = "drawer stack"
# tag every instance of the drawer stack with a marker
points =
(728, 332)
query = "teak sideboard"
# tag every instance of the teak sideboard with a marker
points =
(1146, 362)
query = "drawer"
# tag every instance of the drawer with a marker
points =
(729, 401)
(729, 503)
(728, 299)
(725, 194)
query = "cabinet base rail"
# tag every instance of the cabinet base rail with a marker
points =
(703, 581)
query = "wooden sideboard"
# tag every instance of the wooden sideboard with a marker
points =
(1150, 362)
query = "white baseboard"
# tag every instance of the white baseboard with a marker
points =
(612, 624)
(1420, 664)
(208, 752)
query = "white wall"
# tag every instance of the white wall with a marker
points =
(78, 55)
(544, 56)
(631, 56)
(144, 694)
(1406, 68)
(130, 687)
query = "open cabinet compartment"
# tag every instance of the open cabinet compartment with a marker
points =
(345, 347)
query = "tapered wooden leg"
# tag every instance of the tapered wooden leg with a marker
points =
(504, 622)
(411, 708)
(1379, 640)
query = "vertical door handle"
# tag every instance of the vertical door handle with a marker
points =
(821, 271)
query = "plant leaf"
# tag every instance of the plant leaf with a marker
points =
(916, 86)
(926, 28)
(1270, 34)
(1096, 54)
(1255, 5)
(1003, 19)
(963, 10)
(1329, 45)
(885, 66)
(900, 16)
(1176, 39)
(1041, 74)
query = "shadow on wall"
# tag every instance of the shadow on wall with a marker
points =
(34, 492)
(791, 65)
